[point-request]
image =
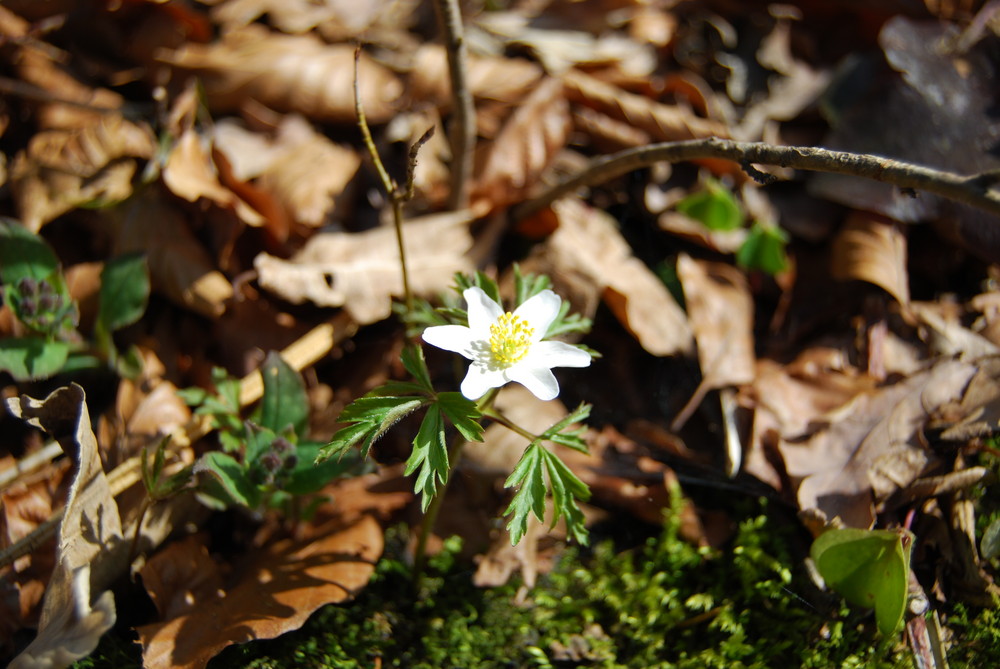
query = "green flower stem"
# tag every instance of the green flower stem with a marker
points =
(490, 412)
(427, 524)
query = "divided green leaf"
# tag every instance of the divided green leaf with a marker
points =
(530, 497)
(429, 456)
(367, 419)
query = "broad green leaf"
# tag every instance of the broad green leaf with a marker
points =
(227, 472)
(284, 401)
(32, 358)
(414, 363)
(24, 254)
(308, 477)
(257, 440)
(462, 413)
(530, 498)
(714, 206)
(764, 249)
(367, 419)
(869, 568)
(124, 292)
(429, 455)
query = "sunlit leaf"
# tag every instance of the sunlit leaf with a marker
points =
(714, 206)
(124, 291)
(764, 249)
(30, 358)
(869, 568)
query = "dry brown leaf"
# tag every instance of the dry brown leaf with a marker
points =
(64, 168)
(607, 134)
(491, 78)
(662, 122)
(525, 147)
(91, 551)
(431, 174)
(273, 590)
(720, 310)
(873, 249)
(179, 267)
(191, 173)
(289, 73)
(870, 447)
(587, 243)
(947, 335)
(723, 241)
(361, 272)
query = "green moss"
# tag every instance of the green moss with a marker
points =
(663, 603)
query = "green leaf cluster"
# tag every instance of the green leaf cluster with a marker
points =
(266, 460)
(370, 416)
(538, 465)
(715, 207)
(36, 290)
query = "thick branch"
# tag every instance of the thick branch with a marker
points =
(462, 132)
(973, 190)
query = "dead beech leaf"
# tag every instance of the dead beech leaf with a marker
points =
(587, 243)
(191, 173)
(525, 147)
(871, 248)
(947, 335)
(91, 551)
(288, 73)
(271, 591)
(490, 78)
(179, 266)
(869, 448)
(360, 271)
(662, 122)
(62, 169)
(720, 309)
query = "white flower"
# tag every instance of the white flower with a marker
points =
(505, 346)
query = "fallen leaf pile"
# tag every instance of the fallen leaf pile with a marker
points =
(829, 339)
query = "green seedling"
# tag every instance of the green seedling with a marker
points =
(869, 568)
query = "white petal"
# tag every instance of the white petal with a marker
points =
(557, 354)
(539, 380)
(456, 338)
(540, 310)
(480, 379)
(483, 312)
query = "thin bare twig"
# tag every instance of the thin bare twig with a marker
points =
(974, 190)
(462, 132)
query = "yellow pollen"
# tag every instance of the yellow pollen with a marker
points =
(510, 339)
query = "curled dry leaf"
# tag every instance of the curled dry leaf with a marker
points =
(662, 122)
(491, 78)
(720, 309)
(871, 248)
(947, 335)
(179, 266)
(587, 243)
(289, 73)
(63, 169)
(525, 147)
(91, 551)
(190, 173)
(273, 590)
(869, 448)
(361, 271)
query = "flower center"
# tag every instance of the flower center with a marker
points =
(510, 339)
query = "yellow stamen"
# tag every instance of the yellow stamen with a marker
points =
(510, 339)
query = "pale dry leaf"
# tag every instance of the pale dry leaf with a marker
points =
(62, 169)
(871, 248)
(191, 173)
(273, 590)
(723, 241)
(179, 267)
(660, 121)
(431, 174)
(289, 73)
(91, 550)
(310, 176)
(947, 335)
(488, 78)
(720, 310)
(870, 447)
(361, 271)
(529, 141)
(588, 243)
